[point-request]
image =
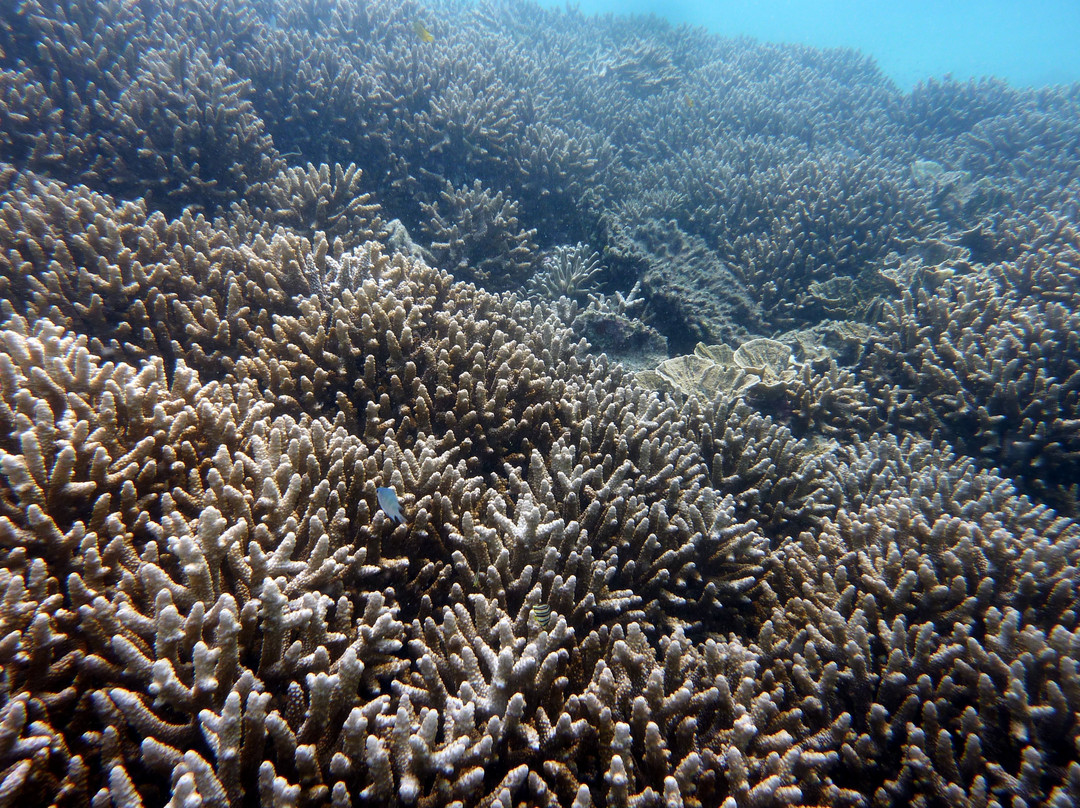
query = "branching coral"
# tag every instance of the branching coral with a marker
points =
(235, 576)
(477, 237)
(990, 361)
(568, 271)
(794, 582)
(323, 199)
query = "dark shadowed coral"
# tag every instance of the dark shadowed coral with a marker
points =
(616, 324)
(151, 118)
(694, 295)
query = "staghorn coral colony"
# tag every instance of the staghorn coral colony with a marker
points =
(259, 261)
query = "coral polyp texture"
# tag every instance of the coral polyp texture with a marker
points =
(480, 405)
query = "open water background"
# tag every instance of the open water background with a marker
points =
(1026, 43)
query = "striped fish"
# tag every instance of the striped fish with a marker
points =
(542, 614)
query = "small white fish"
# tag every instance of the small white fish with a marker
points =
(388, 501)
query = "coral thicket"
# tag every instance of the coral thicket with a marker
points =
(731, 398)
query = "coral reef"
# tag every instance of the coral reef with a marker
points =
(644, 67)
(694, 294)
(813, 397)
(265, 617)
(477, 237)
(989, 360)
(616, 324)
(828, 557)
(310, 200)
(569, 270)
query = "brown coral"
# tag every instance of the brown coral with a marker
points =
(213, 588)
(809, 589)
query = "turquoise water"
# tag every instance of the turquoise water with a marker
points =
(1028, 44)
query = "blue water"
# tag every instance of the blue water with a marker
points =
(1028, 44)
